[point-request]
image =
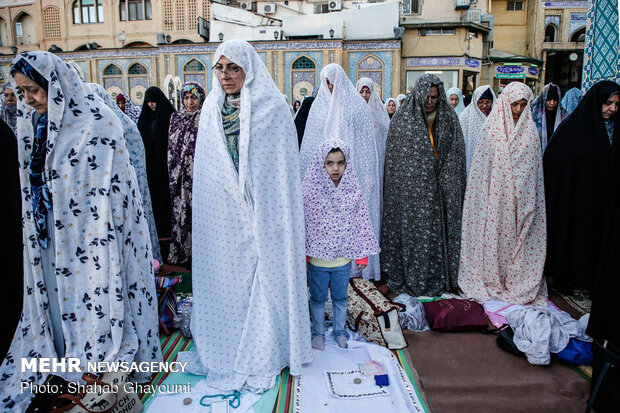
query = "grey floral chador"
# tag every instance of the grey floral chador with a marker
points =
(423, 196)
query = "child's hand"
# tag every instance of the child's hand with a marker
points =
(361, 266)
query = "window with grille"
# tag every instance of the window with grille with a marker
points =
(51, 21)
(168, 15)
(180, 15)
(206, 9)
(112, 70)
(137, 69)
(514, 5)
(303, 63)
(135, 10)
(87, 11)
(192, 12)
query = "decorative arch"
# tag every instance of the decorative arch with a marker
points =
(138, 81)
(195, 71)
(551, 33)
(138, 44)
(137, 69)
(183, 41)
(24, 26)
(113, 79)
(579, 35)
(4, 32)
(373, 67)
(303, 77)
(51, 22)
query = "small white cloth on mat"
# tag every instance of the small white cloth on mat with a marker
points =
(311, 393)
(342, 384)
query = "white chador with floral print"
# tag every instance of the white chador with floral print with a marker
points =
(137, 158)
(102, 259)
(250, 313)
(343, 114)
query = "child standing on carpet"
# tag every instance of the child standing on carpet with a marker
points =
(338, 230)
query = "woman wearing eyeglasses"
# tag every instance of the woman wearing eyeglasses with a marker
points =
(250, 312)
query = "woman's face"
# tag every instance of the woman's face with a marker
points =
(34, 95)
(365, 93)
(230, 75)
(9, 97)
(551, 104)
(610, 107)
(330, 86)
(391, 107)
(121, 104)
(485, 105)
(152, 105)
(517, 109)
(191, 102)
(296, 105)
(432, 99)
(454, 100)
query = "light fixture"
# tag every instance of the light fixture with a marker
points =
(122, 37)
(168, 38)
(221, 36)
(331, 33)
(14, 49)
(276, 34)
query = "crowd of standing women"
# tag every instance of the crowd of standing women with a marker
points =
(488, 201)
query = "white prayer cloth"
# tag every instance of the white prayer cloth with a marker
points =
(343, 114)
(138, 161)
(250, 312)
(504, 232)
(380, 117)
(311, 393)
(472, 120)
(103, 261)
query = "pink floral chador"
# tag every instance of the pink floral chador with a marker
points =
(504, 234)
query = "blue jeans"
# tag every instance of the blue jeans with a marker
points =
(319, 278)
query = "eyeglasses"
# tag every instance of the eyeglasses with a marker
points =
(230, 72)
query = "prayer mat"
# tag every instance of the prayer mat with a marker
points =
(284, 401)
(580, 301)
(170, 347)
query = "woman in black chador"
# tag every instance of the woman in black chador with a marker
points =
(153, 124)
(577, 167)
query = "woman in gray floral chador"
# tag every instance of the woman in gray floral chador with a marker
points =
(423, 193)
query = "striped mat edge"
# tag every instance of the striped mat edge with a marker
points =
(170, 347)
